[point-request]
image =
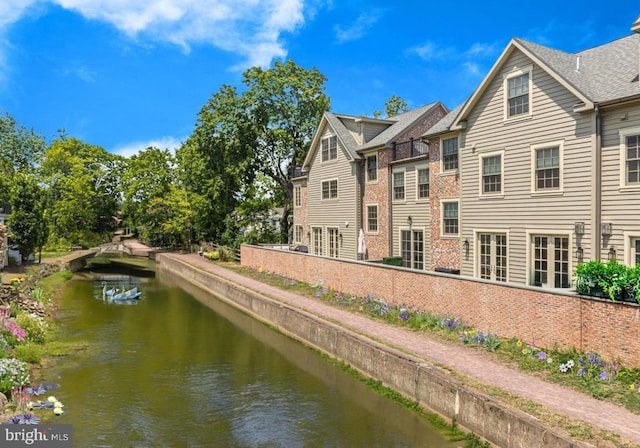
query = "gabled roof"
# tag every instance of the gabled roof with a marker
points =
(444, 125)
(396, 126)
(598, 75)
(401, 123)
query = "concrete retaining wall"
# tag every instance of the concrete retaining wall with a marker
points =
(413, 377)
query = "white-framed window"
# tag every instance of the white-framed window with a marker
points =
(547, 167)
(329, 148)
(334, 241)
(449, 154)
(491, 259)
(449, 217)
(317, 240)
(630, 158)
(422, 173)
(517, 93)
(372, 218)
(297, 234)
(412, 248)
(398, 185)
(549, 260)
(330, 189)
(372, 168)
(491, 177)
(297, 196)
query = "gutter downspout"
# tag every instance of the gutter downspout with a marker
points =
(596, 181)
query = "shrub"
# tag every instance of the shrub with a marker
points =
(213, 255)
(612, 280)
(30, 352)
(34, 326)
(13, 373)
(392, 261)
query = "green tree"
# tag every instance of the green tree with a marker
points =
(27, 215)
(82, 181)
(217, 161)
(393, 106)
(287, 103)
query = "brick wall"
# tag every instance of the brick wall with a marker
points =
(300, 213)
(546, 318)
(378, 193)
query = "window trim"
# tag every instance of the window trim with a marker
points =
(297, 227)
(322, 198)
(404, 185)
(336, 231)
(624, 133)
(411, 231)
(549, 232)
(516, 72)
(367, 229)
(312, 243)
(442, 169)
(366, 169)
(424, 166)
(444, 235)
(536, 147)
(328, 140)
(481, 174)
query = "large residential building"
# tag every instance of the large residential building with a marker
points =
(536, 172)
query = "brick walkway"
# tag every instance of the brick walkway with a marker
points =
(471, 363)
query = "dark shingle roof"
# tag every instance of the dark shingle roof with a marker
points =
(443, 125)
(604, 73)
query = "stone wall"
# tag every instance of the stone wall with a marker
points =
(545, 318)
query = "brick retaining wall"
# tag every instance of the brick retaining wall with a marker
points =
(545, 318)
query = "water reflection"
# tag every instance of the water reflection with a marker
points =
(184, 369)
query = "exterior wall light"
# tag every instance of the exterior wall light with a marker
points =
(612, 253)
(578, 228)
(409, 221)
(607, 228)
(465, 245)
(580, 254)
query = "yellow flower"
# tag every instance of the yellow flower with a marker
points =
(52, 399)
(57, 404)
(519, 344)
(525, 351)
(58, 411)
(260, 270)
(361, 309)
(632, 386)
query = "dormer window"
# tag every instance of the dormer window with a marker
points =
(329, 148)
(517, 89)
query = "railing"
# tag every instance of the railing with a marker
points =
(410, 148)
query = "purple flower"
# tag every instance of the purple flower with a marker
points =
(404, 315)
(604, 376)
(325, 290)
(542, 355)
(582, 371)
(317, 293)
(292, 282)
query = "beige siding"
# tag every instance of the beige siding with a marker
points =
(371, 130)
(354, 128)
(334, 212)
(419, 210)
(620, 206)
(517, 209)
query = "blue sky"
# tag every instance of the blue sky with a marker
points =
(127, 74)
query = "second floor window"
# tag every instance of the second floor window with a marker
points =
(632, 160)
(547, 168)
(423, 183)
(450, 154)
(492, 174)
(330, 189)
(329, 148)
(398, 186)
(450, 218)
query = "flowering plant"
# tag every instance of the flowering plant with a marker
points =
(13, 373)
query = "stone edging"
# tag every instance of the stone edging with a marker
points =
(413, 377)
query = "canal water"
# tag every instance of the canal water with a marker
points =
(182, 369)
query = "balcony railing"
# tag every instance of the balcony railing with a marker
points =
(410, 148)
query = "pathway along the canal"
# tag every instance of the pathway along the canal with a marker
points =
(471, 363)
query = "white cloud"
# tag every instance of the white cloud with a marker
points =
(358, 28)
(132, 148)
(250, 28)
